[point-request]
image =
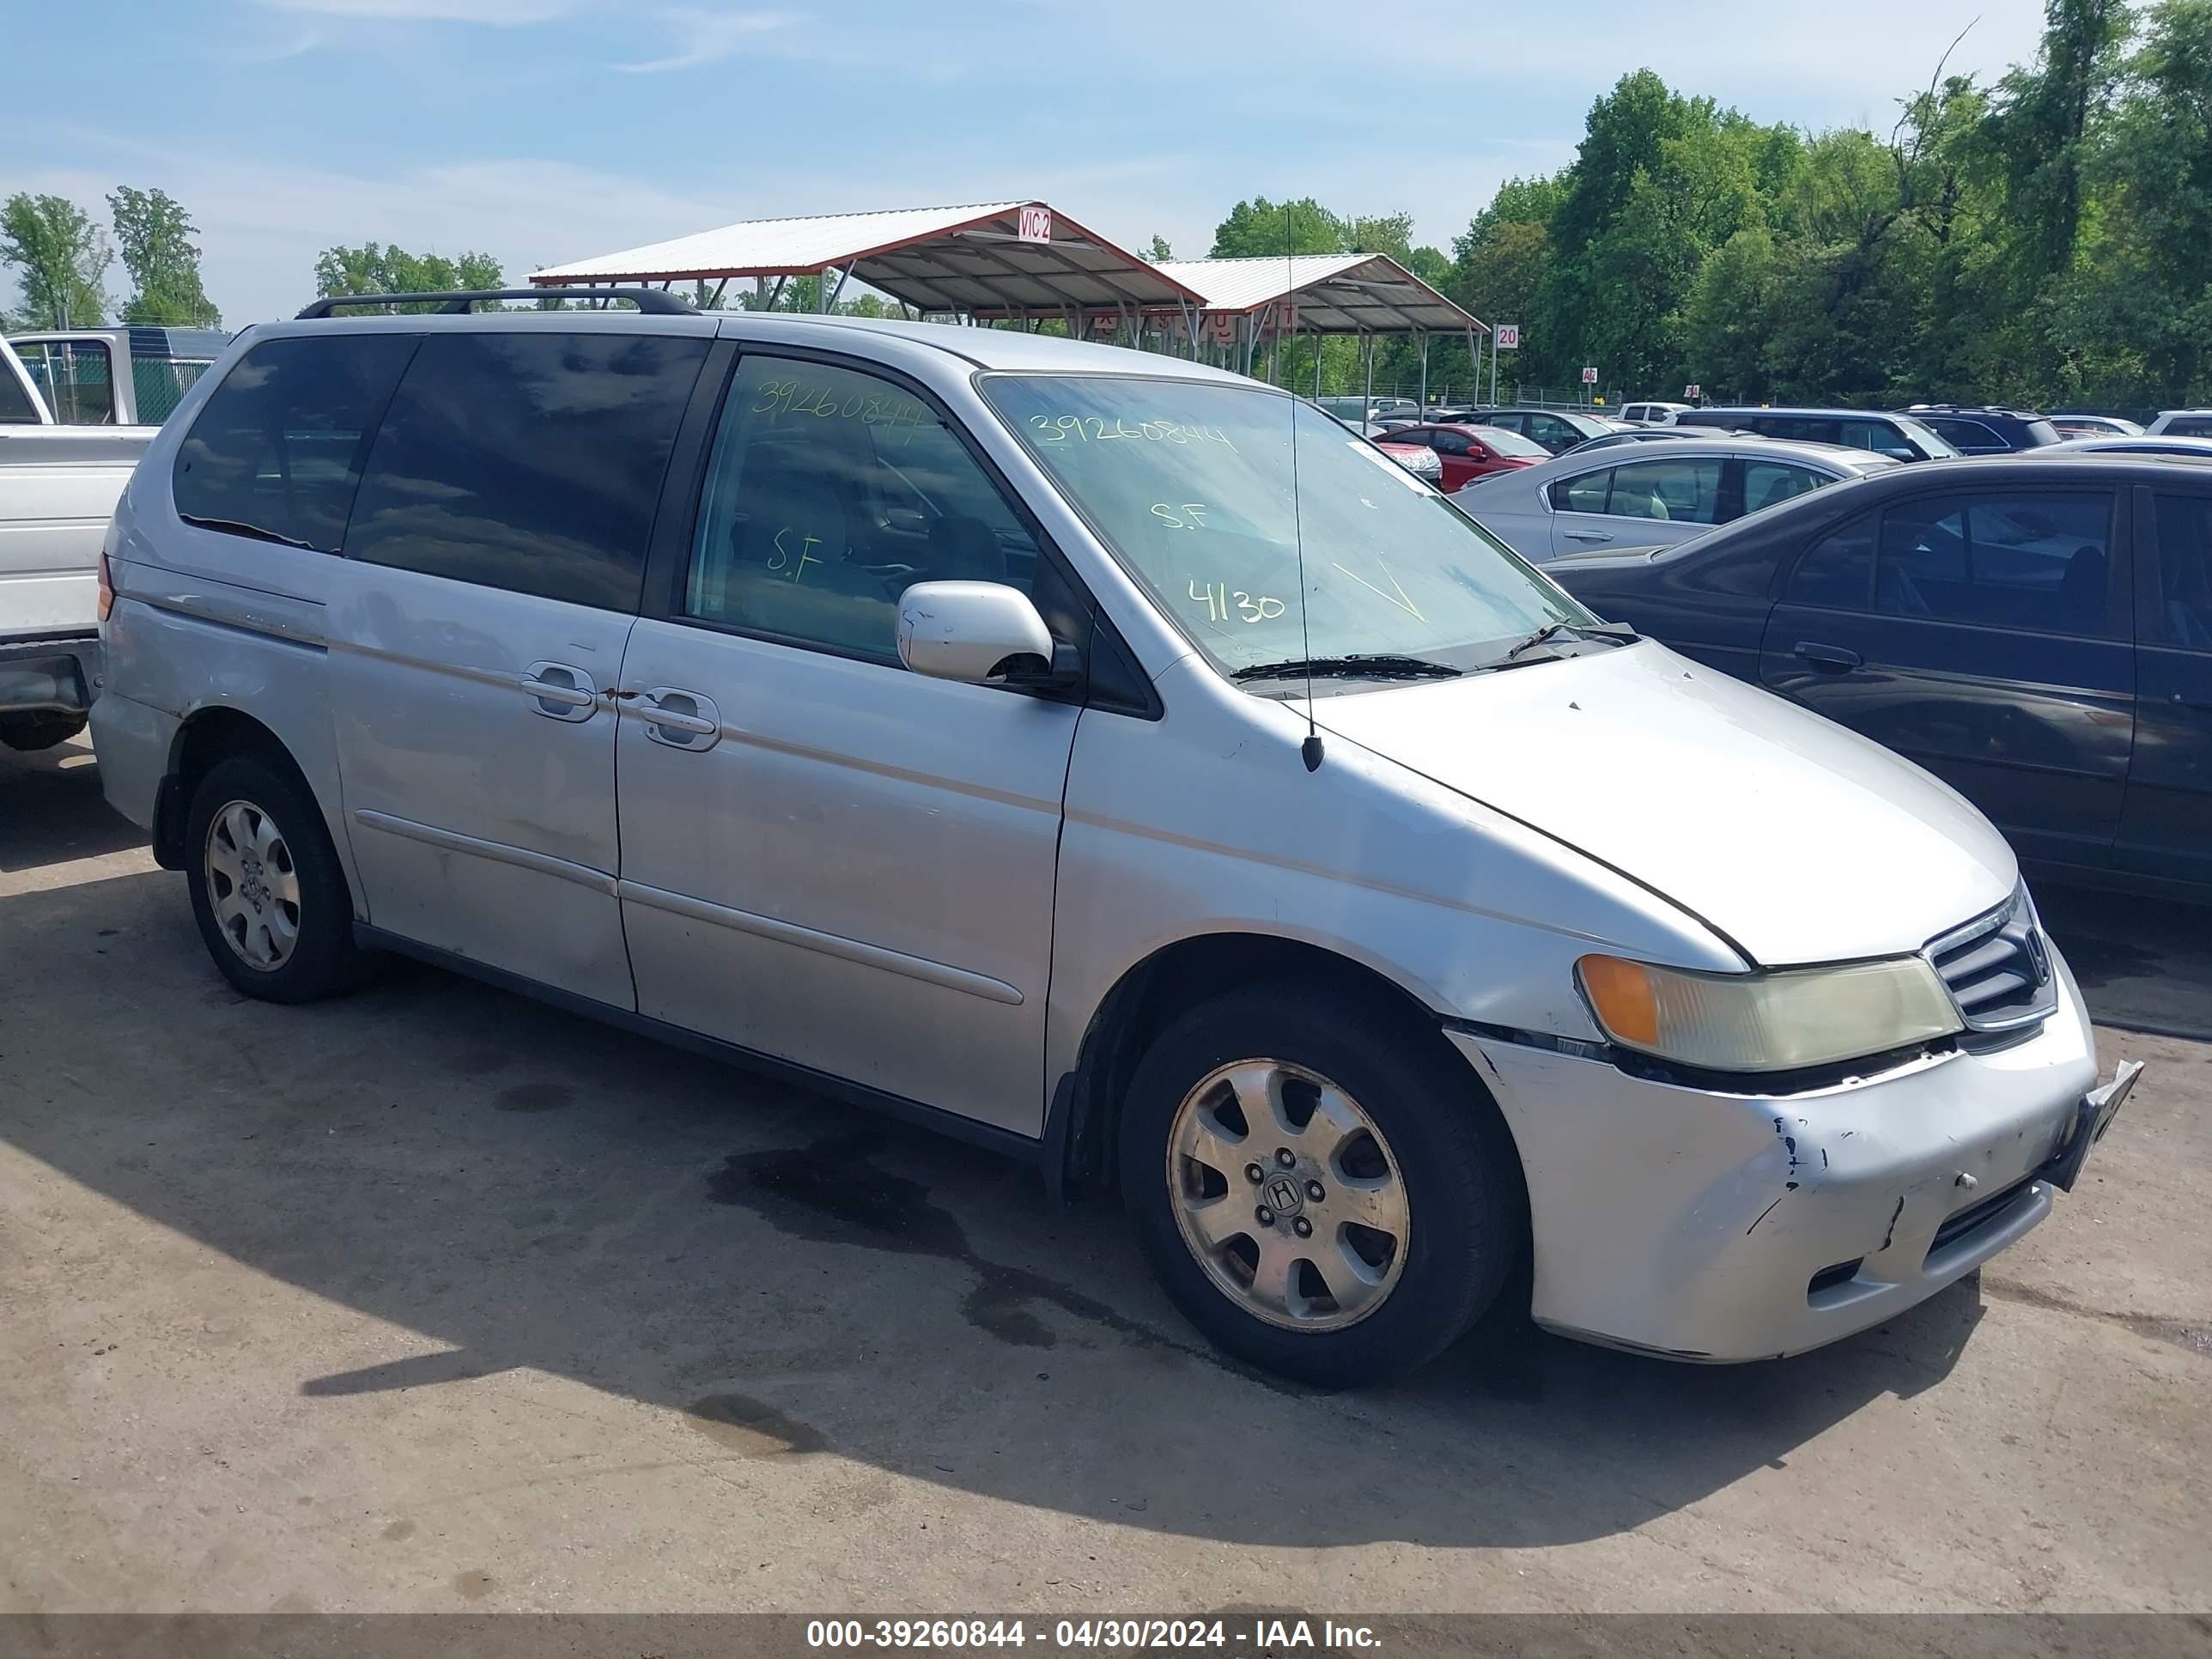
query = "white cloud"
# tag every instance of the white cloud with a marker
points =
(261, 225)
(707, 37)
(504, 13)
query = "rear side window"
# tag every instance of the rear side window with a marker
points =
(1837, 571)
(1766, 483)
(2191, 426)
(2034, 562)
(529, 462)
(276, 450)
(73, 376)
(1965, 434)
(2185, 569)
(159, 384)
(1672, 491)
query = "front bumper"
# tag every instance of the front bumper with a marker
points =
(50, 676)
(1717, 1227)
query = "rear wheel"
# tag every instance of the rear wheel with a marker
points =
(1322, 1191)
(267, 892)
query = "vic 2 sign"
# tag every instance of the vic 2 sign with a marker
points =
(1035, 225)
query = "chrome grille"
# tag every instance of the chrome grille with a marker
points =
(1999, 968)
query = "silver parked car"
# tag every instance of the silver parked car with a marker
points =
(1650, 497)
(2182, 423)
(1008, 733)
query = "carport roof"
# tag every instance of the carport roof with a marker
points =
(945, 259)
(1332, 293)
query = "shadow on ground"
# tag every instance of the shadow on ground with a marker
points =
(51, 808)
(528, 1189)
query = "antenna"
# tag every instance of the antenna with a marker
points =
(1310, 750)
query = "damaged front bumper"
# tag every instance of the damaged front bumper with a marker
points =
(1712, 1227)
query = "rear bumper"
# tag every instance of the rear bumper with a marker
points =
(1722, 1227)
(133, 744)
(50, 676)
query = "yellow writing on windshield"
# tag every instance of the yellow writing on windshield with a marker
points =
(1089, 429)
(782, 560)
(885, 409)
(1396, 596)
(1219, 603)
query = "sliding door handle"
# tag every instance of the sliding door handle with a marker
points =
(679, 718)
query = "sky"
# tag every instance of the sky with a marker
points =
(546, 131)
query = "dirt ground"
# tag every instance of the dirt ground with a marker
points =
(434, 1298)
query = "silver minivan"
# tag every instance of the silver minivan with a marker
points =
(1113, 762)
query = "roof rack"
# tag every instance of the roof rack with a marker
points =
(651, 301)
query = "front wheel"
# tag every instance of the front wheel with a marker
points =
(1322, 1191)
(267, 890)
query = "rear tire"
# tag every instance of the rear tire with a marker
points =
(1388, 1210)
(267, 890)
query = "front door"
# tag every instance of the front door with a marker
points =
(492, 566)
(2165, 829)
(1985, 635)
(825, 858)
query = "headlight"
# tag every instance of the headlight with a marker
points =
(1776, 1022)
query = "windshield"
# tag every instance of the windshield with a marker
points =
(1938, 447)
(1511, 443)
(1191, 485)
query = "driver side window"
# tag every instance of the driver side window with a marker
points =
(828, 493)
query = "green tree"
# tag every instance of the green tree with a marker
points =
(370, 269)
(2149, 280)
(1259, 227)
(1159, 249)
(60, 257)
(164, 263)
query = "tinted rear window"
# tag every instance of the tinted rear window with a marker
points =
(531, 462)
(276, 450)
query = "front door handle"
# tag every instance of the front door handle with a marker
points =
(1588, 536)
(561, 692)
(1833, 658)
(679, 718)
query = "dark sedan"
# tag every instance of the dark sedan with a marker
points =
(2038, 634)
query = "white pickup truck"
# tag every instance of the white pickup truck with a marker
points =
(59, 486)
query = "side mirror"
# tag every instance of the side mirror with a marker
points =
(983, 633)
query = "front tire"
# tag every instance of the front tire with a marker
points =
(1322, 1190)
(267, 890)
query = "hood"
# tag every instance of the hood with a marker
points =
(1801, 841)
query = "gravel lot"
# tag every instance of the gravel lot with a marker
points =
(436, 1299)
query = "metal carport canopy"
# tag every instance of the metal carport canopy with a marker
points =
(1328, 293)
(969, 260)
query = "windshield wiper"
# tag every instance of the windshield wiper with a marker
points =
(236, 527)
(1352, 667)
(1613, 633)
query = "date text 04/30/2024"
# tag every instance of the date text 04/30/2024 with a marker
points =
(1255, 1636)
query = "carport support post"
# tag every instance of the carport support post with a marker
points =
(1424, 374)
(1316, 340)
(1367, 395)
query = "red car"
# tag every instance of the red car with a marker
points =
(1472, 452)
